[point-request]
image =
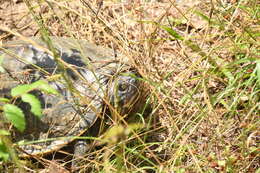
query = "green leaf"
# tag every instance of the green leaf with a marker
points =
(117, 131)
(228, 74)
(41, 85)
(15, 115)
(4, 132)
(38, 83)
(4, 155)
(5, 100)
(48, 89)
(113, 133)
(20, 90)
(172, 32)
(45, 87)
(35, 104)
(203, 16)
(195, 47)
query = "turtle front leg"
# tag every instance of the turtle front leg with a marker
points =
(82, 146)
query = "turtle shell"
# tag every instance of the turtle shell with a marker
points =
(90, 78)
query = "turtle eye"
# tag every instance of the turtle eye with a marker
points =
(122, 87)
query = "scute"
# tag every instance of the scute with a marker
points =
(96, 77)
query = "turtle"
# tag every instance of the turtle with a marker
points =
(99, 83)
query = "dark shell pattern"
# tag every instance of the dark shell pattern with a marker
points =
(98, 78)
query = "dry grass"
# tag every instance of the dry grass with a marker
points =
(200, 60)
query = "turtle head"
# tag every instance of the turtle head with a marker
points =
(124, 92)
